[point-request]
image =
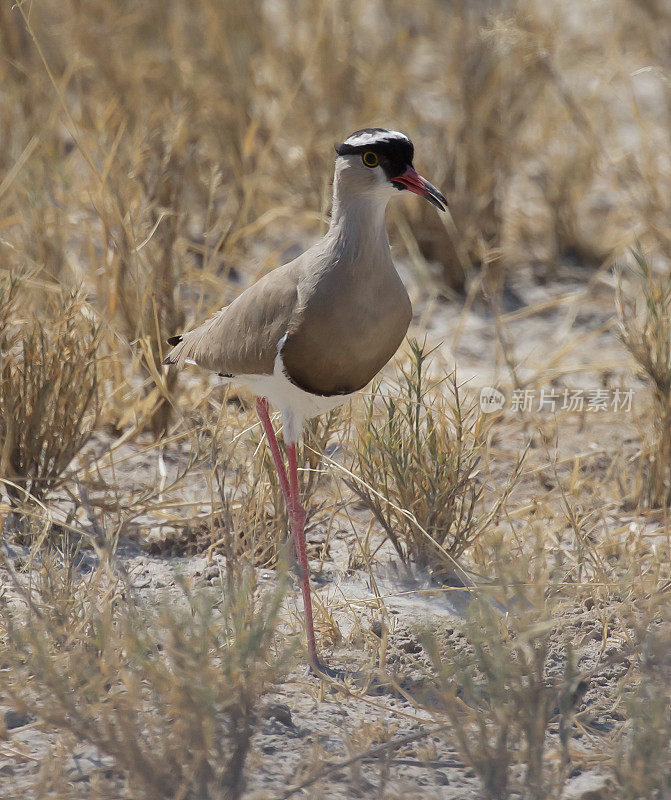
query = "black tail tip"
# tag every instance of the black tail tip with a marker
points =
(173, 340)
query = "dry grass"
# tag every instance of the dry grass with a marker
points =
(416, 464)
(49, 391)
(85, 657)
(501, 692)
(157, 158)
(647, 336)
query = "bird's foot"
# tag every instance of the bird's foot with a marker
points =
(319, 669)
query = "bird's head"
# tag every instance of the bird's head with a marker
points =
(376, 161)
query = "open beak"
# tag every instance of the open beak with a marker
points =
(415, 183)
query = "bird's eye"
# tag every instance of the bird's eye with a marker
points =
(370, 159)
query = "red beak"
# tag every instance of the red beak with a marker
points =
(415, 183)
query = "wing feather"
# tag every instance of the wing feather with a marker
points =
(242, 338)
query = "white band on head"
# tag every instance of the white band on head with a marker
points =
(375, 138)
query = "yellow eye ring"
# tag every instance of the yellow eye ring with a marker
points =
(370, 159)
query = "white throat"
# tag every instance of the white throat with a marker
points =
(358, 222)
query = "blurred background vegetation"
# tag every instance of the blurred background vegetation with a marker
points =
(148, 151)
(146, 148)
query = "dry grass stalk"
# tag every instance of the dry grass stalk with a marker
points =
(49, 392)
(642, 756)
(140, 284)
(511, 113)
(647, 337)
(497, 691)
(417, 462)
(86, 658)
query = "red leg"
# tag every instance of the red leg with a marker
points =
(297, 518)
(262, 410)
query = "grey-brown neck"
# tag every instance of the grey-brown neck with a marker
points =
(358, 231)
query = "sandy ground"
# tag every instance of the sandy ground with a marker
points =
(560, 336)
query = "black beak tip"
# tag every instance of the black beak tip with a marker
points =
(439, 202)
(436, 198)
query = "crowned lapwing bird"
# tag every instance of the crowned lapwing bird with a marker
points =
(311, 333)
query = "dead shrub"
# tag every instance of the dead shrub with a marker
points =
(506, 705)
(170, 692)
(417, 461)
(49, 391)
(646, 333)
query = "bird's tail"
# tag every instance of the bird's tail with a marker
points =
(194, 347)
(183, 346)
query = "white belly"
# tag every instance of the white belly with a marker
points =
(295, 404)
